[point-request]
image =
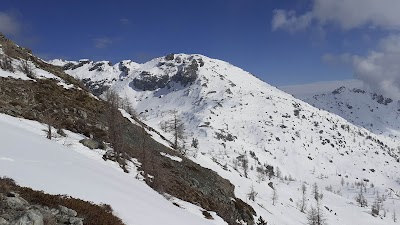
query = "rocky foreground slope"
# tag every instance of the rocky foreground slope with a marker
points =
(21, 205)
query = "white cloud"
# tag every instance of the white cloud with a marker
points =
(9, 24)
(347, 14)
(379, 69)
(102, 42)
(390, 43)
(288, 20)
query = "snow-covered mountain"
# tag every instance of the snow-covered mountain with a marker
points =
(244, 126)
(366, 109)
(61, 109)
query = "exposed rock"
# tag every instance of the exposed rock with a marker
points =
(62, 219)
(17, 211)
(3, 221)
(30, 217)
(186, 75)
(148, 82)
(76, 221)
(83, 114)
(54, 211)
(381, 100)
(97, 66)
(72, 66)
(169, 57)
(178, 60)
(96, 87)
(338, 90)
(123, 68)
(15, 203)
(69, 212)
(201, 62)
(92, 144)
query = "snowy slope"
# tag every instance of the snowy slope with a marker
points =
(38, 73)
(66, 167)
(369, 110)
(101, 71)
(234, 115)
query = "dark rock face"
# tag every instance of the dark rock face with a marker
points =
(186, 75)
(338, 90)
(381, 100)
(201, 62)
(72, 66)
(97, 66)
(203, 186)
(357, 90)
(178, 60)
(169, 57)
(96, 87)
(123, 68)
(225, 136)
(148, 82)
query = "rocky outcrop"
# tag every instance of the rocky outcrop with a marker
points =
(96, 87)
(92, 144)
(187, 74)
(24, 206)
(15, 210)
(169, 57)
(123, 68)
(148, 82)
(381, 100)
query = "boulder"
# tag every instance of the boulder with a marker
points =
(3, 221)
(76, 221)
(66, 211)
(15, 202)
(90, 143)
(30, 217)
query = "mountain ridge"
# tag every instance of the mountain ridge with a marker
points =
(28, 90)
(364, 108)
(239, 119)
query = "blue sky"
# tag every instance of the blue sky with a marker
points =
(300, 43)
